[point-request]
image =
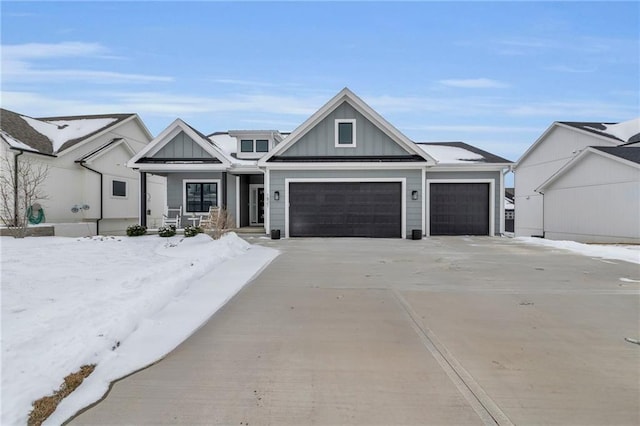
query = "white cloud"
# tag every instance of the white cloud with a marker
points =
(20, 64)
(51, 50)
(474, 83)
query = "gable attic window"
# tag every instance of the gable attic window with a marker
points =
(345, 133)
(246, 145)
(262, 145)
(118, 188)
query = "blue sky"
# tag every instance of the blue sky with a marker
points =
(492, 74)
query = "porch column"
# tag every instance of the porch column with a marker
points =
(143, 198)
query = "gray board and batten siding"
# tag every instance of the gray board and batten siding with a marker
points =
(320, 140)
(182, 146)
(412, 177)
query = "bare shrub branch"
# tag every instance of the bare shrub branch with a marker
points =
(28, 182)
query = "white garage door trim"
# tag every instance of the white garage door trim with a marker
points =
(492, 204)
(403, 182)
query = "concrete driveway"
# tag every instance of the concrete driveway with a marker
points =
(446, 331)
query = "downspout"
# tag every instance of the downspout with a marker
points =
(224, 190)
(15, 187)
(81, 162)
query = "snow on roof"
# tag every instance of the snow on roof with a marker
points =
(625, 130)
(225, 142)
(14, 143)
(450, 154)
(61, 131)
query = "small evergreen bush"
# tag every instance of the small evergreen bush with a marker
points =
(167, 231)
(136, 230)
(192, 231)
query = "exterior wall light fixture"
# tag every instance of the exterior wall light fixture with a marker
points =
(414, 195)
(276, 195)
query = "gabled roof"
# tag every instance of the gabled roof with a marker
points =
(56, 135)
(460, 152)
(624, 154)
(346, 95)
(613, 133)
(167, 135)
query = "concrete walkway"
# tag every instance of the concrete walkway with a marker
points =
(449, 331)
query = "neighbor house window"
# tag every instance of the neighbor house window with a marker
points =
(246, 145)
(345, 133)
(119, 188)
(199, 196)
(262, 145)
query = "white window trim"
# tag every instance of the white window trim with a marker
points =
(403, 181)
(253, 146)
(126, 190)
(339, 121)
(492, 204)
(184, 194)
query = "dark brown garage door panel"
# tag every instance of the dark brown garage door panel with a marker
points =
(345, 209)
(459, 208)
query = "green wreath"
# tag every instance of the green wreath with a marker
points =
(36, 218)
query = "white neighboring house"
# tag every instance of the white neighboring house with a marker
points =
(90, 189)
(579, 181)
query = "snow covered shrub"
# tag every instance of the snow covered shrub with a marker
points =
(167, 231)
(136, 230)
(191, 231)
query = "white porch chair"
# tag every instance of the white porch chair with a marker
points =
(172, 217)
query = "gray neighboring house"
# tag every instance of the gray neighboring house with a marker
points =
(579, 182)
(344, 172)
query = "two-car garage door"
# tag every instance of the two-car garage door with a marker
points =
(345, 209)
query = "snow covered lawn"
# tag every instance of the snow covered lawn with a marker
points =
(626, 253)
(118, 302)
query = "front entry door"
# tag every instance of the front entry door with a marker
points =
(256, 205)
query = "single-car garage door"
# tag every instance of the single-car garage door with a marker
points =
(459, 209)
(345, 209)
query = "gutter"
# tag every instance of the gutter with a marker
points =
(82, 163)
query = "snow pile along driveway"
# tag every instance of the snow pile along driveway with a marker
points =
(604, 251)
(118, 302)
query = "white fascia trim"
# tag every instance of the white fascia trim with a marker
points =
(219, 197)
(345, 166)
(574, 162)
(245, 170)
(180, 167)
(336, 125)
(493, 167)
(403, 181)
(492, 201)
